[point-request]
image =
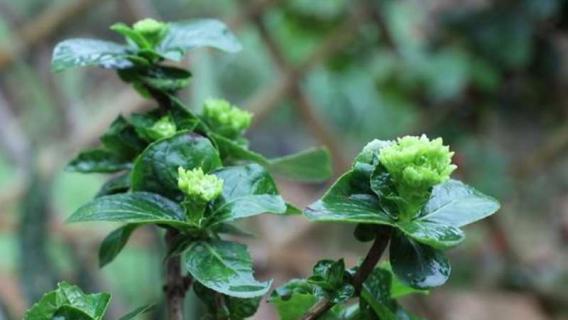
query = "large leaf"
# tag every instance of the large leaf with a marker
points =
(457, 204)
(418, 265)
(155, 170)
(347, 202)
(136, 207)
(97, 160)
(432, 234)
(247, 190)
(89, 52)
(225, 267)
(186, 35)
(309, 165)
(69, 302)
(114, 243)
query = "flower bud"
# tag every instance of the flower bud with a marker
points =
(199, 186)
(163, 128)
(225, 119)
(415, 165)
(153, 31)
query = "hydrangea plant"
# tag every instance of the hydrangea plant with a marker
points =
(192, 175)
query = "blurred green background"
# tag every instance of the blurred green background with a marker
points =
(489, 76)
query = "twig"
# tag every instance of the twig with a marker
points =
(373, 256)
(176, 284)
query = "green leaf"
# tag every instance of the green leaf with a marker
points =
(136, 207)
(457, 204)
(432, 234)
(296, 297)
(235, 308)
(97, 160)
(137, 312)
(163, 78)
(232, 152)
(155, 170)
(88, 52)
(187, 35)
(225, 267)
(348, 202)
(69, 302)
(418, 265)
(121, 139)
(330, 281)
(114, 243)
(247, 190)
(312, 165)
(117, 184)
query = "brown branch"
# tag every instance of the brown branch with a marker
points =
(176, 284)
(373, 256)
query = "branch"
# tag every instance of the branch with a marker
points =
(373, 256)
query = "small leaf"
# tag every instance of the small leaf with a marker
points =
(296, 297)
(137, 312)
(225, 267)
(89, 52)
(457, 204)
(237, 308)
(432, 234)
(97, 160)
(347, 202)
(156, 169)
(232, 152)
(247, 190)
(69, 303)
(418, 265)
(117, 184)
(163, 78)
(136, 207)
(113, 244)
(121, 139)
(187, 35)
(312, 165)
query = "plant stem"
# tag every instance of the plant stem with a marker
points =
(373, 256)
(176, 284)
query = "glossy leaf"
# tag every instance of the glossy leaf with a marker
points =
(121, 139)
(97, 160)
(234, 308)
(69, 302)
(163, 78)
(432, 234)
(312, 165)
(457, 204)
(113, 244)
(418, 265)
(136, 312)
(232, 152)
(89, 52)
(247, 190)
(187, 35)
(296, 297)
(155, 170)
(117, 184)
(136, 207)
(225, 267)
(347, 202)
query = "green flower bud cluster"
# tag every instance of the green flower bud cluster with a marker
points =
(415, 165)
(163, 128)
(226, 119)
(146, 33)
(198, 186)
